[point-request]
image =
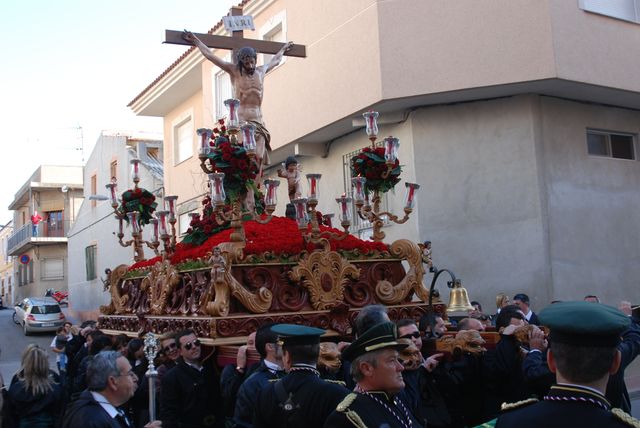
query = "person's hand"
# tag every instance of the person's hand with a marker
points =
(241, 359)
(188, 36)
(154, 424)
(432, 362)
(537, 340)
(625, 307)
(342, 345)
(508, 330)
(288, 46)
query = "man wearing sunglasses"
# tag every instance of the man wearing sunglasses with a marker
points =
(191, 390)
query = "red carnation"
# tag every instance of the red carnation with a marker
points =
(226, 156)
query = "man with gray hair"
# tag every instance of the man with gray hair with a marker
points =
(110, 384)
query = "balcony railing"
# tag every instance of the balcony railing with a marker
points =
(46, 230)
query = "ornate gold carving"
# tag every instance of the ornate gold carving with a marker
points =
(325, 275)
(393, 294)
(118, 302)
(159, 285)
(224, 285)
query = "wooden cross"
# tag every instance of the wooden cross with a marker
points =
(236, 41)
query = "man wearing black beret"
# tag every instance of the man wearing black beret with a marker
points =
(583, 353)
(378, 374)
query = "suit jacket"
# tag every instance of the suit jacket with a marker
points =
(371, 412)
(86, 412)
(248, 394)
(191, 398)
(564, 406)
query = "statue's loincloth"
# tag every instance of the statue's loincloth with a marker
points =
(264, 132)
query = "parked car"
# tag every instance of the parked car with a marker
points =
(38, 314)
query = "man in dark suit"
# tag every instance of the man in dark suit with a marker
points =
(301, 399)
(111, 383)
(583, 353)
(521, 300)
(191, 390)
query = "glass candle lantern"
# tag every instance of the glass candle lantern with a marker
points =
(410, 196)
(358, 190)
(271, 192)
(344, 208)
(371, 122)
(302, 218)
(112, 187)
(205, 140)
(314, 187)
(154, 222)
(216, 181)
(391, 145)
(233, 123)
(170, 205)
(135, 170)
(162, 223)
(120, 225)
(133, 221)
(249, 137)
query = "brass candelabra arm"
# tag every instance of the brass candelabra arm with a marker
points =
(394, 218)
(386, 174)
(204, 165)
(124, 243)
(153, 245)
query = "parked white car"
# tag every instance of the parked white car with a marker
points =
(38, 314)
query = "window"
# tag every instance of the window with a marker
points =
(52, 269)
(274, 30)
(615, 145)
(54, 226)
(222, 90)
(183, 139)
(94, 188)
(363, 227)
(113, 170)
(90, 253)
(626, 10)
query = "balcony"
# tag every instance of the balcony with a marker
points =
(45, 233)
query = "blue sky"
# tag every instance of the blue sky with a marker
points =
(77, 63)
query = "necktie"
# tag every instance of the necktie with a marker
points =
(122, 419)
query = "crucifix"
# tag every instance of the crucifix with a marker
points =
(246, 77)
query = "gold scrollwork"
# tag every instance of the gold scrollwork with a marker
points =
(324, 274)
(393, 294)
(224, 285)
(159, 285)
(118, 302)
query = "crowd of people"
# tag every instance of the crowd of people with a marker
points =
(392, 374)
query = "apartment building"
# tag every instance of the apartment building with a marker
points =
(6, 266)
(519, 119)
(44, 209)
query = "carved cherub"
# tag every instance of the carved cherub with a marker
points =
(291, 172)
(218, 265)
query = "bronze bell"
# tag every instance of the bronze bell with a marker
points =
(458, 298)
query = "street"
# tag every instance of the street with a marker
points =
(13, 342)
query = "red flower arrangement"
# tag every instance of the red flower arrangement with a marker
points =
(232, 159)
(279, 237)
(138, 199)
(370, 164)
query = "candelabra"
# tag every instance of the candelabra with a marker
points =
(134, 202)
(232, 128)
(370, 211)
(306, 213)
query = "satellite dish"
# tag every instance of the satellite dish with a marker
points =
(65, 189)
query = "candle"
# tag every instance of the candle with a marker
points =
(314, 183)
(218, 195)
(154, 221)
(301, 212)
(345, 212)
(271, 192)
(135, 169)
(170, 205)
(120, 226)
(248, 137)
(205, 138)
(391, 149)
(162, 223)
(133, 220)
(409, 199)
(112, 194)
(232, 121)
(370, 118)
(358, 189)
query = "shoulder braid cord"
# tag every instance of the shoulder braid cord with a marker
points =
(625, 418)
(352, 416)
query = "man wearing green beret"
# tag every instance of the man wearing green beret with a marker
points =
(301, 399)
(582, 353)
(378, 374)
